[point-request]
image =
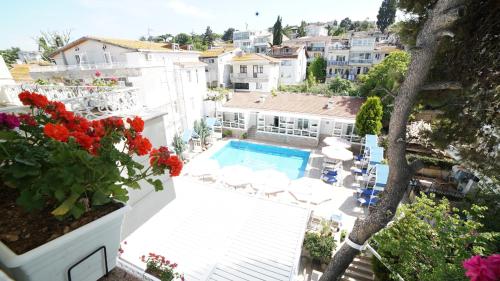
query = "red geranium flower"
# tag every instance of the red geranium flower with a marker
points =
(137, 124)
(56, 131)
(33, 99)
(139, 145)
(83, 140)
(27, 119)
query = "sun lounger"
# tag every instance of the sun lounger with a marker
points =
(333, 173)
(329, 179)
(366, 192)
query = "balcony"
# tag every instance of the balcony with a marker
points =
(94, 66)
(343, 48)
(336, 62)
(316, 49)
(249, 77)
(88, 101)
(361, 61)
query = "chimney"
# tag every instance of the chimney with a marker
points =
(262, 98)
(329, 105)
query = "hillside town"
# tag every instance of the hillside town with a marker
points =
(346, 149)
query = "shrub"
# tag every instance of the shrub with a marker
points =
(227, 133)
(343, 235)
(244, 136)
(369, 117)
(179, 145)
(381, 272)
(69, 164)
(320, 247)
(443, 163)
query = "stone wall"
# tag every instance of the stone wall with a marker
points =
(287, 139)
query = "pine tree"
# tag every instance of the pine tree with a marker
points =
(386, 14)
(277, 32)
(208, 37)
(228, 35)
(369, 117)
(301, 32)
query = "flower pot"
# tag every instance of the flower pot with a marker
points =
(149, 277)
(77, 255)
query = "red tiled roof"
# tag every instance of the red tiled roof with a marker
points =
(342, 106)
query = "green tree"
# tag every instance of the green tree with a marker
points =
(49, 41)
(429, 240)
(386, 14)
(318, 68)
(341, 86)
(429, 19)
(183, 39)
(311, 78)
(346, 24)
(384, 79)
(277, 32)
(10, 55)
(228, 35)
(208, 37)
(301, 32)
(369, 117)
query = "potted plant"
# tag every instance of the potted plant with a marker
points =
(320, 247)
(63, 183)
(160, 268)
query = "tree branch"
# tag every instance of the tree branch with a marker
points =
(447, 85)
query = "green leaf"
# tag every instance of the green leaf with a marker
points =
(78, 210)
(99, 198)
(8, 135)
(66, 205)
(134, 185)
(158, 185)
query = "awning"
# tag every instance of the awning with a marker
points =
(371, 141)
(376, 155)
(381, 175)
(211, 122)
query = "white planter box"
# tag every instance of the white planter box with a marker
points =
(52, 260)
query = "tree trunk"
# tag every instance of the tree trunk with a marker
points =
(400, 172)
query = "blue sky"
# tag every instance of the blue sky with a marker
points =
(23, 19)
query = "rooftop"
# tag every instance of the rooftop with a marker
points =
(136, 45)
(21, 72)
(286, 51)
(254, 57)
(211, 53)
(341, 106)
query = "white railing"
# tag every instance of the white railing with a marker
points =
(9, 93)
(92, 103)
(95, 66)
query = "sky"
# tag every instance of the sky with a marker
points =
(22, 20)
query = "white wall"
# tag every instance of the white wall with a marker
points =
(5, 76)
(271, 71)
(293, 71)
(93, 52)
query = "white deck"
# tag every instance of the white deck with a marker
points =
(215, 234)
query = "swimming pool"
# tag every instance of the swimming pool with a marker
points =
(257, 157)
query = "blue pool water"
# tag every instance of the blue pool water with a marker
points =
(257, 157)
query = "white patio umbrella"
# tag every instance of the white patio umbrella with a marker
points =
(337, 153)
(300, 188)
(337, 142)
(237, 175)
(321, 192)
(270, 181)
(203, 167)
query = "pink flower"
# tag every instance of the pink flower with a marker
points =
(97, 73)
(482, 269)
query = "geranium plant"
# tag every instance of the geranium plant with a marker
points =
(55, 158)
(161, 267)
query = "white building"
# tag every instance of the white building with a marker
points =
(165, 77)
(255, 72)
(218, 67)
(293, 63)
(315, 46)
(316, 29)
(252, 41)
(337, 58)
(297, 119)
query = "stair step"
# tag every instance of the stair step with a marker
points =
(361, 268)
(362, 262)
(358, 275)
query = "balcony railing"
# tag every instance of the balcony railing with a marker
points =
(94, 66)
(250, 76)
(338, 48)
(89, 102)
(361, 60)
(336, 62)
(316, 49)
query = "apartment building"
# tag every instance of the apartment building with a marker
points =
(251, 41)
(316, 29)
(293, 63)
(165, 75)
(337, 57)
(255, 72)
(218, 69)
(315, 46)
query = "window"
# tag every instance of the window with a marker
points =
(302, 124)
(377, 56)
(148, 56)
(188, 73)
(81, 58)
(258, 86)
(330, 71)
(358, 70)
(286, 62)
(243, 69)
(261, 69)
(78, 59)
(107, 57)
(211, 60)
(365, 69)
(340, 58)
